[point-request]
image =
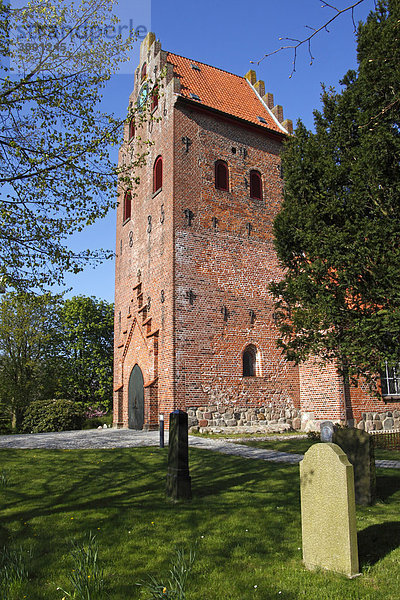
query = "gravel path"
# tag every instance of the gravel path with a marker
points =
(129, 438)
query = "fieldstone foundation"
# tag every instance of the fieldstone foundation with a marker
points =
(263, 419)
(384, 421)
(370, 421)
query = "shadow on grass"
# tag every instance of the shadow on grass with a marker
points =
(376, 541)
(5, 536)
(77, 482)
(386, 486)
(126, 489)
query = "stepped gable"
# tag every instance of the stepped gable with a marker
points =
(222, 91)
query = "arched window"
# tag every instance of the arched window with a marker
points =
(127, 205)
(143, 72)
(157, 175)
(154, 98)
(131, 129)
(255, 185)
(249, 361)
(221, 175)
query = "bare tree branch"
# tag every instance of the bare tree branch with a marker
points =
(307, 40)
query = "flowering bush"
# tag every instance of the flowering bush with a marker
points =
(95, 413)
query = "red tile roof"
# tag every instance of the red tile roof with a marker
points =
(222, 91)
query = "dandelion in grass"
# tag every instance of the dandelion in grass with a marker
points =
(175, 588)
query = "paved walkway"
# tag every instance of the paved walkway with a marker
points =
(129, 438)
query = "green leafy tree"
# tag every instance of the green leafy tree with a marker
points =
(29, 337)
(56, 176)
(87, 332)
(338, 233)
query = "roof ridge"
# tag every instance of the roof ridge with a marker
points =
(267, 107)
(206, 64)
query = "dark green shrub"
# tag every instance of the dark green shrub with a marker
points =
(5, 418)
(52, 415)
(314, 436)
(96, 422)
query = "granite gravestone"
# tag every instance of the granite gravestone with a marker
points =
(327, 431)
(178, 479)
(328, 511)
(359, 448)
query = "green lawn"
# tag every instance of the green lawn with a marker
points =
(244, 517)
(296, 445)
(301, 445)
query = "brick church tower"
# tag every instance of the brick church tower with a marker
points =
(194, 321)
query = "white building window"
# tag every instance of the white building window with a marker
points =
(390, 381)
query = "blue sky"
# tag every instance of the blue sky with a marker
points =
(230, 35)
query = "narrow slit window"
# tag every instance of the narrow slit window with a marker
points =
(221, 175)
(157, 175)
(249, 361)
(143, 73)
(131, 129)
(154, 98)
(127, 205)
(255, 185)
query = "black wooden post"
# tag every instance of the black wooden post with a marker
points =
(178, 479)
(161, 417)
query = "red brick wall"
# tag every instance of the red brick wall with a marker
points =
(189, 354)
(321, 391)
(362, 401)
(147, 246)
(226, 267)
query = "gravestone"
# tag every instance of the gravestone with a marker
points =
(327, 431)
(328, 511)
(359, 448)
(178, 479)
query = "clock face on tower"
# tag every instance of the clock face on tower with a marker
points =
(142, 96)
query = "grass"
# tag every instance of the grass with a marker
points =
(244, 520)
(239, 436)
(13, 571)
(301, 445)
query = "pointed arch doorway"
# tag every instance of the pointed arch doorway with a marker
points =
(136, 399)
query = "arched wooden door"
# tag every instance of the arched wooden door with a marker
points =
(136, 399)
